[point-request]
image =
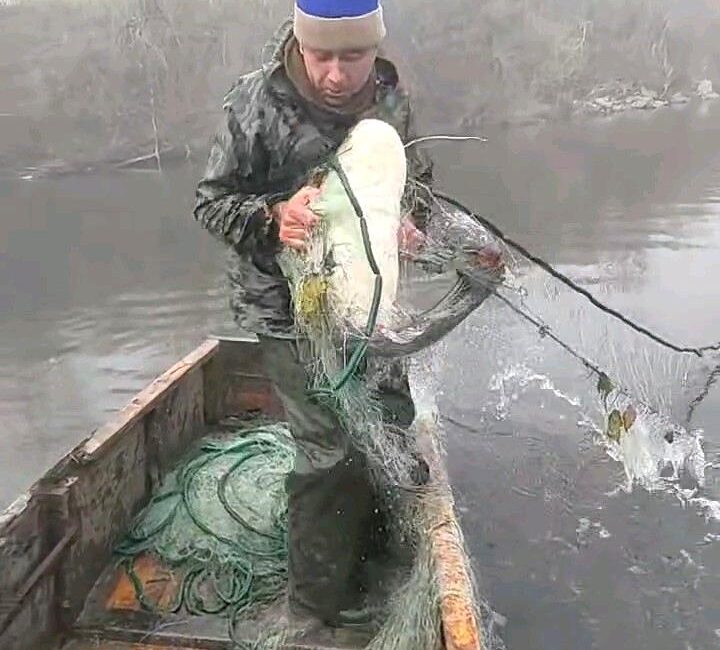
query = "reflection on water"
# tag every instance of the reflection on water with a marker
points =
(106, 280)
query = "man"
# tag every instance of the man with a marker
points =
(325, 74)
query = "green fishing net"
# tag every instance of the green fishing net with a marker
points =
(219, 522)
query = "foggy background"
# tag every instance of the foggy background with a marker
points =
(98, 80)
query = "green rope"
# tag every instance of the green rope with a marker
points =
(222, 495)
(219, 572)
(360, 349)
(189, 475)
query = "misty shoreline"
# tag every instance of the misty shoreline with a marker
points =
(101, 86)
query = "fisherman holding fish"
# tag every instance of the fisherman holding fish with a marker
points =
(325, 74)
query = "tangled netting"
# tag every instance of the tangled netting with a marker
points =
(643, 389)
(220, 524)
(220, 519)
(355, 341)
(352, 353)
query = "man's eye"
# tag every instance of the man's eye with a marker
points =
(322, 55)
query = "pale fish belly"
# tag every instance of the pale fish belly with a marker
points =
(373, 159)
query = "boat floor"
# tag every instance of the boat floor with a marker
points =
(95, 644)
(113, 619)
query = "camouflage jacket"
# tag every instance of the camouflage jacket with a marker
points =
(269, 141)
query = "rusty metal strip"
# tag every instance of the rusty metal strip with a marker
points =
(12, 606)
(460, 625)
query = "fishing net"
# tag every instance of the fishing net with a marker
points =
(347, 300)
(220, 523)
(350, 309)
(366, 310)
(632, 388)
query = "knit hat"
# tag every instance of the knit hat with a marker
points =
(339, 24)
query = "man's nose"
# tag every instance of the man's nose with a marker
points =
(335, 74)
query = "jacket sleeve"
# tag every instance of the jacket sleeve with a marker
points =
(232, 200)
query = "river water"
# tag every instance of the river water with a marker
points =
(106, 280)
(629, 206)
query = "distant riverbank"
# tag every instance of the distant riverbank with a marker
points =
(135, 81)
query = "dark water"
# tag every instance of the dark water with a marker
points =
(106, 280)
(631, 207)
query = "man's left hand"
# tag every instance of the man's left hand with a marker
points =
(489, 258)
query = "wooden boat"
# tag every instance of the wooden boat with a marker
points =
(59, 588)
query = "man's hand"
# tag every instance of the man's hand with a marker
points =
(410, 238)
(295, 218)
(489, 259)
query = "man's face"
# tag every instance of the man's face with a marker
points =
(337, 76)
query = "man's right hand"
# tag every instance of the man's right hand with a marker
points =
(295, 218)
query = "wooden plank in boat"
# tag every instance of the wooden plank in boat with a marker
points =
(101, 494)
(245, 385)
(99, 644)
(113, 612)
(159, 585)
(122, 463)
(95, 490)
(146, 400)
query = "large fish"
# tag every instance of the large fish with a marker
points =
(334, 282)
(334, 278)
(373, 161)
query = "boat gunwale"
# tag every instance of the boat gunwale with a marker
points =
(101, 439)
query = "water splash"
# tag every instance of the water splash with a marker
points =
(656, 454)
(514, 379)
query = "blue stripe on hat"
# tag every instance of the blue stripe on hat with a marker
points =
(337, 8)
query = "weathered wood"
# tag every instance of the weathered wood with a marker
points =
(107, 493)
(124, 461)
(460, 625)
(11, 607)
(144, 402)
(60, 523)
(246, 386)
(34, 624)
(214, 389)
(103, 483)
(99, 644)
(171, 427)
(98, 487)
(22, 547)
(159, 584)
